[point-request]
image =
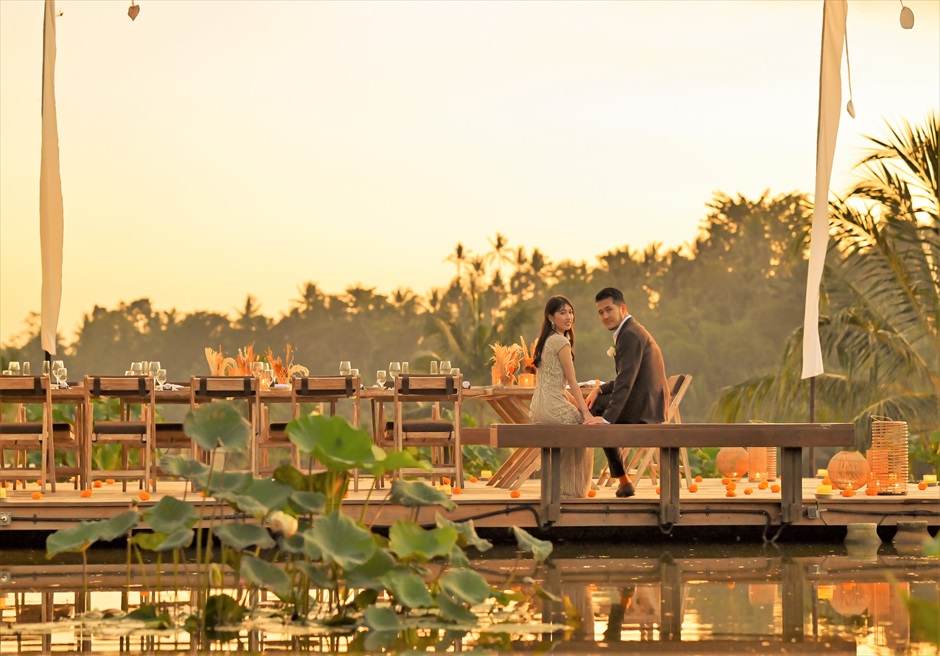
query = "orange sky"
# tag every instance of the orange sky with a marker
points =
(271, 143)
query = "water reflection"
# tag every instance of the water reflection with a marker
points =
(689, 599)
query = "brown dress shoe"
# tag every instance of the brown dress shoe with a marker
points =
(625, 490)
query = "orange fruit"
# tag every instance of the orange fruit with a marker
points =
(775, 488)
(698, 479)
(445, 480)
(203, 494)
(731, 486)
(731, 493)
(731, 585)
(762, 485)
(657, 490)
(749, 490)
(693, 488)
(109, 481)
(725, 480)
(827, 481)
(145, 496)
(921, 486)
(474, 479)
(592, 493)
(85, 494)
(346, 495)
(457, 490)
(37, 495)
(848, 492)
(515, 494)
(871, 491)
(96, 484)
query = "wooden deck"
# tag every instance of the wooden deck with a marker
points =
(492, 507)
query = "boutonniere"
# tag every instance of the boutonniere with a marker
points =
(612, 351)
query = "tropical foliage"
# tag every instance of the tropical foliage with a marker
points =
(882, 300)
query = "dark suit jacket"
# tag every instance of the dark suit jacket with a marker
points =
(639, 394)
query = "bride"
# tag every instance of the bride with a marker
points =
(551, 402)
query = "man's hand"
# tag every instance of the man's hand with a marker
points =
(594, 420)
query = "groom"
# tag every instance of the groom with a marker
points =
(639, 393)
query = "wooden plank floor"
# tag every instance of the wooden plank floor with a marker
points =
(494, 507)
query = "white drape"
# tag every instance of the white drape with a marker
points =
(51, 222)
(830, 108)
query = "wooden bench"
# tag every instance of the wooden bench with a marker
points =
(791, 438)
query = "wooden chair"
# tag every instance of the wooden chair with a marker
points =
(129, 431)
(21, 437)
(327, 391)
(207, 389)
(441, 436)
(646, 460)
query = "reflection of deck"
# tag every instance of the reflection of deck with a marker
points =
(774, 604)
(493, 507)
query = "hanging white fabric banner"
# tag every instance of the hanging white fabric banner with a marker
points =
(51, 221)
(830, 109)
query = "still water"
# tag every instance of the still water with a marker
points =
(607, 598)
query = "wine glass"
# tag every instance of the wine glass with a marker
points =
(344, 368)
(257, 368)
(269, 374)
(154, 368)
(266, 375)
(445, 367)
(61, 375)
(381, 377)
(56, 364)
(160, 378)
(394, 368)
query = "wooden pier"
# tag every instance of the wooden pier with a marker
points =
(493, 507)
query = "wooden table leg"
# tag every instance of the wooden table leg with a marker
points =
(669, 485)
(551, 485)
(791, 487)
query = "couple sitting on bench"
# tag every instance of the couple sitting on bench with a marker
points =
(638, 395)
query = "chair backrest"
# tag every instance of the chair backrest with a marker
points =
(678, 386)
(124, 387)
(16, 388)
(428, 387)
(208, 388)
(325, 387)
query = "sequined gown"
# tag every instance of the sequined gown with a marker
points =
(550, 405)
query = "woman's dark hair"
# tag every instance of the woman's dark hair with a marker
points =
(554, 304)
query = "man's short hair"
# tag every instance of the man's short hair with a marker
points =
(612, 293)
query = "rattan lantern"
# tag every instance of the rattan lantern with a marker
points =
(757, 464)
(732, 461)
(848, 467)
(771, 463)
(888, 456)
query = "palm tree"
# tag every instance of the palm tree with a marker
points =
(880, 338)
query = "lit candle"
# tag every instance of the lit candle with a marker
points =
(826, 591)
(822, 473)
(930, 478)
(3, 493)
(486, 474)
(823, 489)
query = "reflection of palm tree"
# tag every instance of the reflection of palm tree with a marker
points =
(884, 298)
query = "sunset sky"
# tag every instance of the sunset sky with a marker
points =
(211, 150)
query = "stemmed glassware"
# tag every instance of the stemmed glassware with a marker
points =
(61, 374)
(381, 377)
(267, 376)
(160, 378)
(257, 368)
(394, 368)
(153, 368)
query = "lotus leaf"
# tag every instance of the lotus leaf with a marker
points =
(468, 534)
(308, 502)
(418, 495)
(408, 588)
(382, 618)
(318, 575)
(386, 462)
(412, 542)
(259, 498)
(332, 441)
(268, 576)
(242, 536)
(541, 549)
(183, 467)
(156, 541)
(341, 540)
(170, 514)
(218, 424)
(455, 612)
(466, 585)
(119, 525)
(458, 557)
(368, 574)
(222, 610)
(74, 539)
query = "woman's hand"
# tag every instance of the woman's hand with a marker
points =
(593, 420)
(592, 397)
